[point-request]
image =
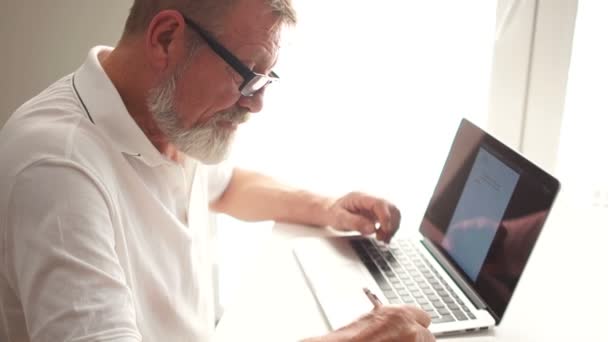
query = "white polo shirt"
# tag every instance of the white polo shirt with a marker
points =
(97, 242)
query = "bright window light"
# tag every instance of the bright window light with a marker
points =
(370, 97)
(582, 165)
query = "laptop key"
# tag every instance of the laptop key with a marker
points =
(446, 297)
(411, 287)
(428, 292)
(438, 304)
(399, 286)
(453, 306)
(460, 316)
(383, 284)
(409, 301)
(378, 277)
(427, 307)
(443, 311)
(443, 319)
(394, 301)
(390, 294)
(422, 301)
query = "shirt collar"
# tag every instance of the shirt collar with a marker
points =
(108, 112)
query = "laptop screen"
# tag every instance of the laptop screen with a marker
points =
(486, 213)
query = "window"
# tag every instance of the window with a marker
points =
(370, 97)
(582, 163)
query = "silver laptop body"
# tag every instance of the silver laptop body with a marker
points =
(464, 263)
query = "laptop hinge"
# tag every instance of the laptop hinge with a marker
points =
(455, 275)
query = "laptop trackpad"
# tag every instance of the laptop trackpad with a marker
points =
(342, 297)
(336, 277)
(340, 293)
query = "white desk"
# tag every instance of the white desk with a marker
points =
(561, 297)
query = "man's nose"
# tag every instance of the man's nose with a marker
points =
(253, 103)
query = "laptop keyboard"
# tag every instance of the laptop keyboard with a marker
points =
(405, 276)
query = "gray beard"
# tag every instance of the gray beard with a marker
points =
(207, 142)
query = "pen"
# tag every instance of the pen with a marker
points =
(372, 297)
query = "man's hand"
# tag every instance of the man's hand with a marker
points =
(365, 214)
(386, 323)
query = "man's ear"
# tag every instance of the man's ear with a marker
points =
(165, 39)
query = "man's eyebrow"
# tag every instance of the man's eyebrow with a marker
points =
(261, 61)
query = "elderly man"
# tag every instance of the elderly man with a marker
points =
(101, 237)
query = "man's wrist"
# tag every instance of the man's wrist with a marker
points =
(322, 210)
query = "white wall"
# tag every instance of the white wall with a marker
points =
(549, 65)
(44, 40)
(530, 73)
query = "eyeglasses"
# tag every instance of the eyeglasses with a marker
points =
(252, 81)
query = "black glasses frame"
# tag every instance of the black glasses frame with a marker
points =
(252, 81)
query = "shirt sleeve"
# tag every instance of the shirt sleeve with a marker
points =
(219, 177)
(61, 260)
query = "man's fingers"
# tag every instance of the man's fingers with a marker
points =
(395, 219)
(373, 210)
(425, 335)
(389, 218)
(381, 212)
(383, 216)
(420, 316)
(359, 223)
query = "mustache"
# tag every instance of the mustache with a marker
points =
(238, 116)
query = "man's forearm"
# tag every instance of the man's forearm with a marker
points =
(251, 196)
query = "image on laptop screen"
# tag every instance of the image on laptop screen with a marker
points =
(487, 212)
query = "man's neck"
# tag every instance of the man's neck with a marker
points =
(130, 77)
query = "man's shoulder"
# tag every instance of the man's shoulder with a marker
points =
(51, 125)
(58, 98)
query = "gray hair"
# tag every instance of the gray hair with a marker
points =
(207, 12)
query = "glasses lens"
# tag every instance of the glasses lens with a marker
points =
(258, 83)
(255, 84)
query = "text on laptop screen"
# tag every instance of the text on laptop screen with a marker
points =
(486, 213)
(485, 197)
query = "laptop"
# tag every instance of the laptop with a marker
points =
(462, 266)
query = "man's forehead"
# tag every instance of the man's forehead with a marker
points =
(253, 30)
(252, 19)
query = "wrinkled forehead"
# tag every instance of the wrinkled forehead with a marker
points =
(251, 21)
